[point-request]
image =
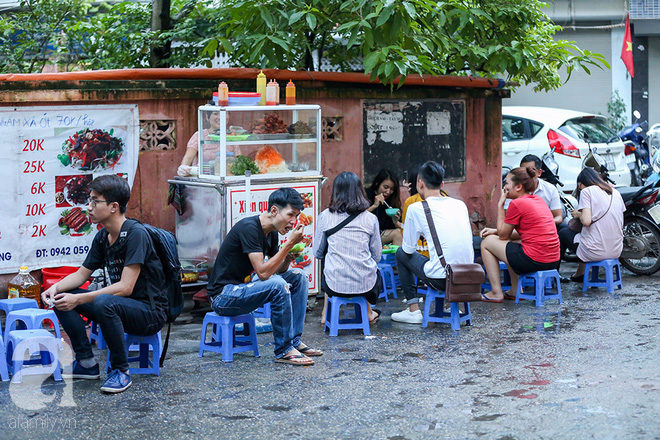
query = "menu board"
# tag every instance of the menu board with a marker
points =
(48, 156)
(258, 204)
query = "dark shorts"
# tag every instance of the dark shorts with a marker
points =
(371, 295)
(521, 263)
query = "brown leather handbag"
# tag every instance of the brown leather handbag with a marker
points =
(463, 280)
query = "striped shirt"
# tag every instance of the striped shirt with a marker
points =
(353, 251)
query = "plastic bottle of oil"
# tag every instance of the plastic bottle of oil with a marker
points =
(24, 285)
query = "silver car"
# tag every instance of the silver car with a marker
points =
(535, 130)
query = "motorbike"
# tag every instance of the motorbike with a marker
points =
(636, 150)
(653, 141)
(641, 233)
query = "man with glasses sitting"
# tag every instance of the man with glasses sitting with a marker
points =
(134, 302)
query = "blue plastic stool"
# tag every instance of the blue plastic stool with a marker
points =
(389, 284)
(388, 259)
(96, 335)
(32, 319)
(453, 317)
(263, 311)
(359, 322)
(226, 339)
(142, 345)
(505, 279)
(35, 341)
(544, 282)
(4, 373)
(11, 304)
(611, 266)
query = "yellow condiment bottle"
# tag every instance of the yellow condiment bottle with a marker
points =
(261, 87)
(290, 93)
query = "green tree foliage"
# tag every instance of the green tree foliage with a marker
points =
(396, 38)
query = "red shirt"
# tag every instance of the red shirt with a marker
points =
(535, 224)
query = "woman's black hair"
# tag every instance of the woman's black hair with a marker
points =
(348, 194)
(412, 178)
(525, 177)
(113, 189)
(394, 200)
(589, 177)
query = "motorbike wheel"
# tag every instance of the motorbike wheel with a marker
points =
(649, 263)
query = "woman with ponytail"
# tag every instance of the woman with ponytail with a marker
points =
(525, 238)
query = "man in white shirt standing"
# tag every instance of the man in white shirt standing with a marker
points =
(452, 224)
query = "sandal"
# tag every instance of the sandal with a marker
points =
(378, 312)
(484, 298)
(309, 351)
(295, 359)
(577, 278)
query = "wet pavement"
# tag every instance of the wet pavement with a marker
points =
(585, 369)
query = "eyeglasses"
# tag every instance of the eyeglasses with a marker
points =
(92, 203)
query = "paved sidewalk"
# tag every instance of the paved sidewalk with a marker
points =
(587, 369)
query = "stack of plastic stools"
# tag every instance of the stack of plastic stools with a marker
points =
(4, 373)
(611, 267)
(544, 281)
(453, 317)
(35, 341)
(505, 280)
(96, 335)
(11, 304)
(32, 319)
(226, 339)
(389, 284)
(142, 344)
(359, 322)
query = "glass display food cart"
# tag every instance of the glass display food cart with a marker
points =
(245, 153)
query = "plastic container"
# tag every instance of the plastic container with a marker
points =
(261, 87)
(223, 94)
(216, 168)
(23, 285)
(244, 98)
(290, 93)
(52, 275)
(230, 161)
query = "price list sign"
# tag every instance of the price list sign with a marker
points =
(49, 156)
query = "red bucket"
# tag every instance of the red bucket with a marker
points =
(52, 275)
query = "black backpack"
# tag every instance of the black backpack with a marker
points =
(165, 247)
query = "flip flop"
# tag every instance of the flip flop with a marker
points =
(378, 313)
(484, 298)
(309, 351)
(510, 297)
(295, 359)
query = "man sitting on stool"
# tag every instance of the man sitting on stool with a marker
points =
(134, 303)
(244, 250)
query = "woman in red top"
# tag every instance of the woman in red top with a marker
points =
(525, 239)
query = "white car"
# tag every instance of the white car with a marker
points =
(535, 130)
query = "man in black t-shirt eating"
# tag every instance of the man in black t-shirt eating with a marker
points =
(134, 302)
(243, 251)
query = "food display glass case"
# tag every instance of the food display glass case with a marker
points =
(268, 141)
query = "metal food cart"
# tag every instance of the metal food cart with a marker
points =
(274, 147)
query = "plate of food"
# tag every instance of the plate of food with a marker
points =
(74, 222)
(390, 248)
(76, 190)
(92, 150)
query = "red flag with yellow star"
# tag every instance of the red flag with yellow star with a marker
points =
(626, 50)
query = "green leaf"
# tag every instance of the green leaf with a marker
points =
(295, 17)
(311, 21)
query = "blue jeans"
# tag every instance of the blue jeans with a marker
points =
(410, 265)
(115, 316)
(287, 294)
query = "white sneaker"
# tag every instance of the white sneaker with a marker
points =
(408, 317)
(405, 301)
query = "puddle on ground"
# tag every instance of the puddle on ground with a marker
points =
(521, 394)
(277, 408)
(414, 355)
(346, 350)
(488, 418)
(237, 417)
